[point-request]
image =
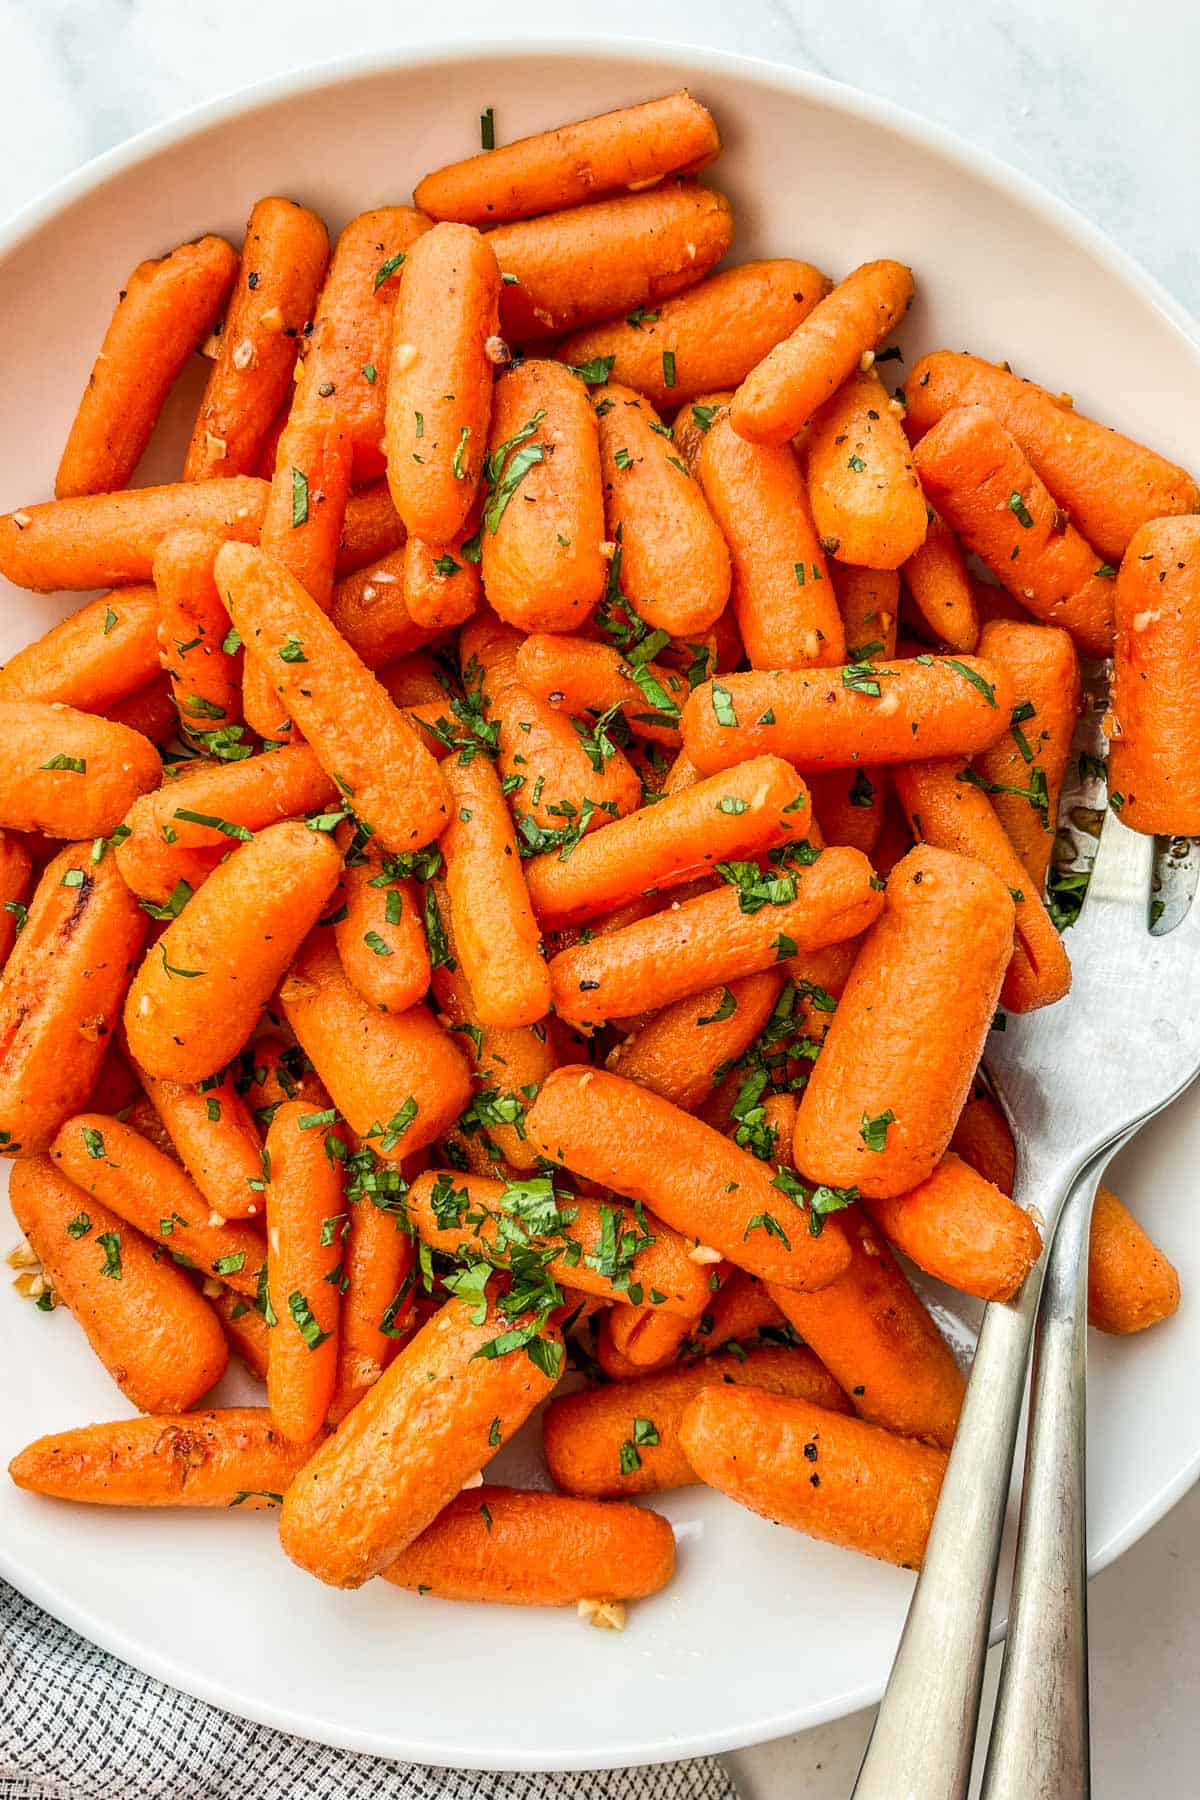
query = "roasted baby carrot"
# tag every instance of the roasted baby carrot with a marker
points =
(441, 586)
(378, 1259)
(16, 866)
(848, 805)
(608, 259)
(875, 1337)
(555, 785)
(543, 528)
(449, 1400)
(1109, 484)
(70, 774)
(193, 632)
(439, 381)
(837, 1479)
(371, 529)
(946, 808)
(270, 1072)
(343, 377)
(693, 423)
(783, 391)
(869, 602)
(1131, 1284)
(155, 1334)
(283, 260)
(782, 596)
(1023, 771)
(624, 1440)
(579, 677)
(745, 813)
(1153, 765)
(306, 1226)
(397, 1078)
(165, 310)
(837, 718)
(706, 339)
(245, 1329)
(234, 1457)
(960, 1228)
(370, 609)
(674, 568)
(213, 1132)
(195, 999)
(102, 653)
(736, 1314)
(109, 540)
(61, 994)
(978, 477)
(498, 938)
(379, 930)
(115, 1165)
(679, 1050)
(937, 582)
(359, 737)
(706, 1187)
(456, 1213)
(982, 1138)
(149, 710)
(631, 148)
(929, 972)
(867, 503)
(711, 940)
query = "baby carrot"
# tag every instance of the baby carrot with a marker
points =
(61, 993)
(283, 260)
(867, 503)
(745, 813)
(848, 805)
(869, 602)
(783, 391)
(195, 999)
(441, 586)
(1031, 758)
(109, 540)
(157, 1337)
(1131, 1284)
(165, 310)
(736, 1315)
(962, 1230)
(543, 522)
(674, 568)
(701, 1183)
(16, 866)
(947, 809)
(122, 1170)
(499, 942)
(608, 259)
(102, 653)
(782, 596)
(978, 477)
(679, 1050)
(306, 1226)
(875, 1337)
(193, 630)
(270, 1072)
(837, 718)
(141, 1117)
(1109, 484)
(711, 940)
(245, 1330)
(623, 1440)
(371, 529)
(470, 1213)
(397, 1078)
(1153, 766)
(518, 1548)
(579, 676)
(940, 589)
(632, 148)
(693, 424)
(929, 972)
(149, 710)
(555, 785)
(705, 339)
(343, 377)
(235, 1457)
(212, 1129)
(70, 774)
(982, 1139)
(370, 609)
(439, 385)
(452, 1396)
(380, 935)
(837, 1479)
(378, 1261)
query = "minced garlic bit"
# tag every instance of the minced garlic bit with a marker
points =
(273, 1240)
(21, 520)
(243, 355)
(473, 1481)
(810, 645)
(211, 347)
(216, 1220)
(898, 407)
(272, 320)
(608, 549)
(497, 351)
(23, 1256)
(889, 704)
(606, 1615)
(32, 1285)
(212, 1290)
(403, 357)
(1142, 621)
(704, 1253)
(217, 445)
(866, 361)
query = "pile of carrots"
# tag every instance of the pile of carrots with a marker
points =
(504, 882)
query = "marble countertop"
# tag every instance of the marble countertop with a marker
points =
(1098, 104)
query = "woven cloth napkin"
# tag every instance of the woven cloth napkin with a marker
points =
(76, 1724)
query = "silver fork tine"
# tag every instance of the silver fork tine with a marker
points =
(1121, 872)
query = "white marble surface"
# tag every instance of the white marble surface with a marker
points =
(1098, 103)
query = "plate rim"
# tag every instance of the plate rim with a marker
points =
(697, 61)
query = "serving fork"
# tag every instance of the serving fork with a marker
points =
(1076, 1081)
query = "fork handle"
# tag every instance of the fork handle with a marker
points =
(1040, 1745)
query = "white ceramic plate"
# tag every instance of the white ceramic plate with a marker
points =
(763, 1632)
